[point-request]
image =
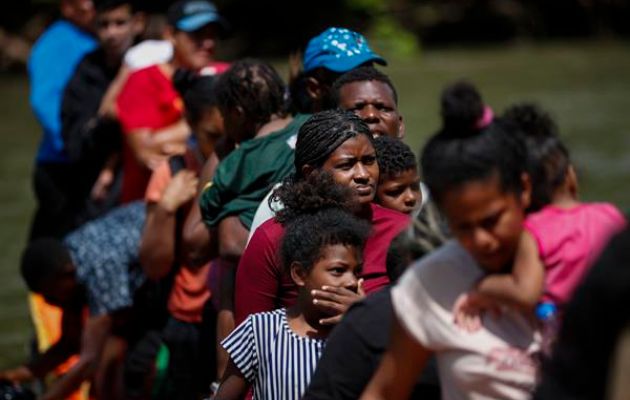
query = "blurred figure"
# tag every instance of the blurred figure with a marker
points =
(91, 133)
(170, 197)
(48, 74)
(582, 365)
(149, 108)
(94, 266)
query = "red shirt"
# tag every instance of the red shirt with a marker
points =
(148, 100)
(262, 285)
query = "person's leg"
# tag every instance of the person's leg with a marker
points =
(109, 381)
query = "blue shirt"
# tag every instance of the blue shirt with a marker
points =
(52, 62)
(105, 253)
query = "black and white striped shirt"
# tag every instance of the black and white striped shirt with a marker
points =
(277, 361)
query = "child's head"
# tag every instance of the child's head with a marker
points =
(478, 177)
(249, 94)
(47, 269)
(371, 95)
(549, 162)
(201, 109)
(324, 249)
(399, 182)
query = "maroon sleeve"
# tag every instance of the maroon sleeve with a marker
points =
(259, 275)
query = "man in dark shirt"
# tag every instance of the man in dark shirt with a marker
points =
(90, 131)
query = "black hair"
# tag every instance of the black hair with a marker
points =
(403, 250)
(461, 106)
(306, 236)
(255, 87)
(583, 356)
(362, 74)
(394, 157)
(108, 5)
(197, 91)
(548, 158)
(461, 152)
(322, 133)
(300, 101)
(315, 192)
(42, 261)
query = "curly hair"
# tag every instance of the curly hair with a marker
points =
(306, 236)
(362, 74)
(393, 156)
(316, 192)
(322, 133)
(548, 158)
(255, 87)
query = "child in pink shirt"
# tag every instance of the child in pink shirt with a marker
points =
(562, 237)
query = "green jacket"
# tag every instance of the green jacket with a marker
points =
(247, 174)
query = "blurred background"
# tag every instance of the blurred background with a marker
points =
(570, 56)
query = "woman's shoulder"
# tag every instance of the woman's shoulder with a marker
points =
(444, 273)
(384, 217)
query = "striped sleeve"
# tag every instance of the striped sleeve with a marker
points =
(241, 347)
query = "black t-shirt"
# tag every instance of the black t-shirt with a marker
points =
(353, 352)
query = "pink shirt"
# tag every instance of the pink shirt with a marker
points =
(569, 241)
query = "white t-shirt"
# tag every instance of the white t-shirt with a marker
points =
(496, 362)
(147, 53)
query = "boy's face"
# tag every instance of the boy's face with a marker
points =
(338, 266)
(373, 102)
(400, 192)
(116, 29)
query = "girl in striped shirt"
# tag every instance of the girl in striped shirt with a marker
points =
(276, 352)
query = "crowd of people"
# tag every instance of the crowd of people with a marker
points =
(206, 230)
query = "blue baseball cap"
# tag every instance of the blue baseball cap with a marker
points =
(339, 50)
(191, 15)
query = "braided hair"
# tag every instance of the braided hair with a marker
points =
(253, 86)
(363, 74)
(393, 156)
(322, 133)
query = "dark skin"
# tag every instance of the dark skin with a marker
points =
(374, 103)
(487, 221)
(352, 164)
(87, 338)
(338, 267)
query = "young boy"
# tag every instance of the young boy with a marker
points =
(399, 182)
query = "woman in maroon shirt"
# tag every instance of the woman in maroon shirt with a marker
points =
(338, 144)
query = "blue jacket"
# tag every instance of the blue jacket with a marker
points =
(53, 60)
